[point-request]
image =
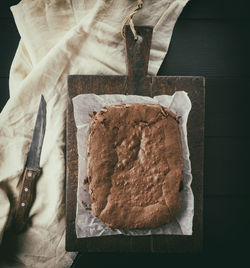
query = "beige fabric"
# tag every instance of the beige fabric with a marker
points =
(60, 37)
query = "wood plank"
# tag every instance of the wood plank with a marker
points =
(137, 260)
(8, 45)
(226, 166)
(226, 239)
(216, 9)
(221, 96)
(208, 48)
(4, 82)
(226, 224)
(195, 9)
(5, 8)
(137, 65)
(227, 101)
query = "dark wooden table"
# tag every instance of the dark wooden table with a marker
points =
(210, 39)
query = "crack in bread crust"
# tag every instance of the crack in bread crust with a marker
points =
(134, 159)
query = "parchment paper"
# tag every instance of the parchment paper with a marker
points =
(87, 225)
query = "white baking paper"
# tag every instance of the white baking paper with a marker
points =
(87, 225)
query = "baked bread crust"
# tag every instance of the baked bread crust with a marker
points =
(134, 165)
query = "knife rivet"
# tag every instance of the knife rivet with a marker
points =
(29, 174)
(22, 204)
(26, 189)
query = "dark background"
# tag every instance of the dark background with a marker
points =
(210, 39)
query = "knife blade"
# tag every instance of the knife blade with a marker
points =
(31, 172)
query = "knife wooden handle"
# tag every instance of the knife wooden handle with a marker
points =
(26, 198)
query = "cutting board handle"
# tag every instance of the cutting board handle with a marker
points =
(138, 52)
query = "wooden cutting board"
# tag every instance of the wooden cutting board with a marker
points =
(137, 82)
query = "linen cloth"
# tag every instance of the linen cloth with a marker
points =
(58, 38)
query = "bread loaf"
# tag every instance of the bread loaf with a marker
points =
(134, 165)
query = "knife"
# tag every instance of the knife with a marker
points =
(31, 172)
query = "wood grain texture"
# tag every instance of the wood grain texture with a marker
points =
(195, 9)
(26, 198)
(227, 107)
(216, 9)
(226, 159)
(4, 82)
(209, 49)
(5, 11)
(194, 86)
(228, 228)
(9, 43)
(137, 81)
